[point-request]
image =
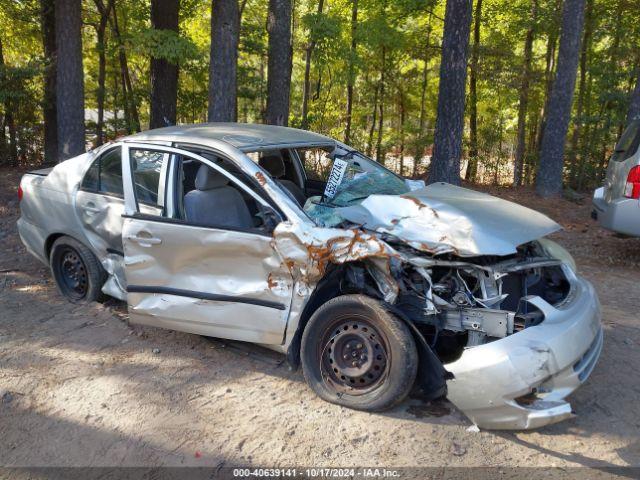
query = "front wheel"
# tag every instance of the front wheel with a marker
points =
(357, 354)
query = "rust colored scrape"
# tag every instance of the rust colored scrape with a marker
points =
(271, 282)
(420, 204)
(334, 252)
(261, 178)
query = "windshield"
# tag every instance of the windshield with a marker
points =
(353, 177)
(363, 177)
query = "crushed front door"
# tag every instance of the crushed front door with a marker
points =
(205, 280)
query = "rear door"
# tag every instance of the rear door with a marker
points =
(205, 279)
(99, 202)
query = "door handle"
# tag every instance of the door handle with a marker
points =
(144, 239)
(91, 209)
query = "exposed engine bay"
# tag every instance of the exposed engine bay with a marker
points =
(458, 303)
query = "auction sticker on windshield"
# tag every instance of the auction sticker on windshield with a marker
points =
(335, 177)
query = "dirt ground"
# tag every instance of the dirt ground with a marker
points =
(79, 386)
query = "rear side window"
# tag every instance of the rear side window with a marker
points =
(105, 174)
(629, 142)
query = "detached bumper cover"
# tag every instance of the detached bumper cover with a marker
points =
(554, 358)
(621, 215)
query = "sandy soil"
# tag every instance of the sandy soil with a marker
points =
(80, 386)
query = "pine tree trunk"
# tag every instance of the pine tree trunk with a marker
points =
(306, 86)
(279, 62)
(164, 75)
(48, 18)
(472, 168)
(374, 116)
(102, 66)
(403, 115)
(379, 156)
(586, 137)
(445, 164)
(351, 79)
(8, 122)
(549, 178)
(577, 127)
(549, 72)
(423, 97)
(129, 101)
(523, 101)
(3, 137)
(13, 136)
(223, 68)
(116, 99)
(69, 79)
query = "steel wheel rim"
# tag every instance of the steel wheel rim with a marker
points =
(73, 273)
(354, 356)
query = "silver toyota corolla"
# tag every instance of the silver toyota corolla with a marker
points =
(375, 284)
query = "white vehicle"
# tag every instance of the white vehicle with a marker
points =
(616, 205)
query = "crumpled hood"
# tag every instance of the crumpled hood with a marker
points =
(442, 218)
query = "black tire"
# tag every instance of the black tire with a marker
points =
(78, 274)
(357, 354)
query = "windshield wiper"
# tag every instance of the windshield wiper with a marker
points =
(354, 200)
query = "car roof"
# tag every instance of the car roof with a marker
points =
(244, 136)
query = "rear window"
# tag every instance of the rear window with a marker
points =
(629, 142)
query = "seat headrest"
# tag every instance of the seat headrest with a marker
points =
(207, 178)
(274, 164)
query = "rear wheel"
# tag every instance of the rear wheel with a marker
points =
(357, 354)
(76, 270)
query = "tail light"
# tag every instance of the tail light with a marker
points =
(20, 193)
(632, 188)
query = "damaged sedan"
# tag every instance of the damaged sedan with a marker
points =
(376, 285)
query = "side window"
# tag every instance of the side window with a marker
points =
(210, 199)
(230, 167)
(91, 180)
(105, 174)
(277, 163)
(316, 162)
(111, 173)
(146, 168)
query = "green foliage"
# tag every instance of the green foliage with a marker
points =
(391, 39)
(165, 44)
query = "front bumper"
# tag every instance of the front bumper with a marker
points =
(621, 215)
(551, 360)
